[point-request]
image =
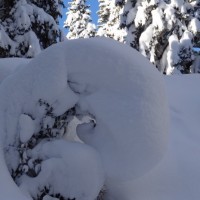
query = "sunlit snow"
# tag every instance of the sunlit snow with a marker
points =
(128, 146)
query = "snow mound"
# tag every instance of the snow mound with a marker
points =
(72, 169)
(109, 81)
(177, 175)
(9, 65)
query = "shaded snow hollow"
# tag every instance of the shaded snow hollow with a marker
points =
(100, 77)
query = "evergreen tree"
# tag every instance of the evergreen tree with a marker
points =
(79, 21)
(27, 27)
(163, 31)
(159, 31)
(110, 13)
(103, 14)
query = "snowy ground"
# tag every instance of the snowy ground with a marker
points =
(135, 166)
(177, 176)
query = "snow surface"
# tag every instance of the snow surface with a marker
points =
(26, 127)
(126, 148)
(72, 169)
(177, 175)
(9, 65)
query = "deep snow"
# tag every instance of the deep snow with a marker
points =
(9, 65)
(177, 175)
(138, 162)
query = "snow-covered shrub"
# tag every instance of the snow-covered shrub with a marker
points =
(126, 136)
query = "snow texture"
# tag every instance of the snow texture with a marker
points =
(26, 127)
(177, 175)
(10, 65)
(123, 92)
(72, 169)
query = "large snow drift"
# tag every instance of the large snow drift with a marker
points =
(102, 78)
(10, 65)
(177, 176)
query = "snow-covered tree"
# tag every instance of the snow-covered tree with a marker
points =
(115, 28)
(110, 12)
(78, 20)
(27, 27)
(103, 14)
(5, 5)
(2, 8)
(158, 29)
(163, 31)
